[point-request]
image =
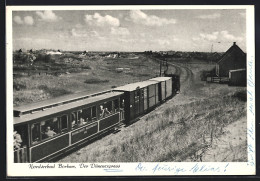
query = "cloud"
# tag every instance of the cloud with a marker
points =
(119, 31)
(210, 37)
(99, 20)
(83, 33)
(28, 20)
(140, 17)
(222, 36)
(33, 40)
(195, 38)
(48, 16)
(77, 33)
(163, 42)
(210, 16)
(226, 35)
(18, 20)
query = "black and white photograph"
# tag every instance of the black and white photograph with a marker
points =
(130, 90)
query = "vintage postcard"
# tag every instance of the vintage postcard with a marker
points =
(130, 90)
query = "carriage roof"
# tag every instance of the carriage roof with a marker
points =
(63, 107)
(24, 109)
(160, 79)
(134, 86)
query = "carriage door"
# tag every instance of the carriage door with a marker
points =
(160, 91)
(137, 102)
(141, 101)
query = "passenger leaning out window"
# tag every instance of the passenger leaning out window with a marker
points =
(17, 140)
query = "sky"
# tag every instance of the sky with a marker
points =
(130, 30)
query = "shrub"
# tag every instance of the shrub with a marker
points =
(241, 95)
(95, 81)
(43, 58)
(18, 86)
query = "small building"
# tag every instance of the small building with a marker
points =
(234, 58)
(237, 77)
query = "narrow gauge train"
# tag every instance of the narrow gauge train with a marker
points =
(50, 128)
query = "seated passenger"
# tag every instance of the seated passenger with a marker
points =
(49, 133)
(102, 111)
(17, 140)
(107, 112)
(82, 122)
(73, 124)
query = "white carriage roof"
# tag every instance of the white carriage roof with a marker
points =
(56, 101)
(160, 79)
(134, 86)
(64, 107)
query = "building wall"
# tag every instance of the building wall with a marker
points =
(237, 78)
(232, 61)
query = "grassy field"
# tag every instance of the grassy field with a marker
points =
(186, 128)
(92, 75)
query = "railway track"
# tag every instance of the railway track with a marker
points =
(186, 75)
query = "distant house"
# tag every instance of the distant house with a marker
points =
(234, 58)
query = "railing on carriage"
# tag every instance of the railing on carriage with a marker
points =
(20, 155)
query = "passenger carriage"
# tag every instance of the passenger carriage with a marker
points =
(53, 127)
(49, 128)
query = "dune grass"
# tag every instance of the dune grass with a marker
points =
(175, 134)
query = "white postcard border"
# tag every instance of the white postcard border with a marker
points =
(147, 168)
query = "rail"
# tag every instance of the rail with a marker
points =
(20, 155)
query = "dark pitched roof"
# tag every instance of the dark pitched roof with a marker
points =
(230, 51)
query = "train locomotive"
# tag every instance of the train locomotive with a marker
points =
(47, 129)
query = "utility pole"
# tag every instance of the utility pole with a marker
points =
(211, 48)
(160, 68)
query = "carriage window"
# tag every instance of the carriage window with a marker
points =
(94, 113)
(73, 119)
(142, 93)
(108, 105)
(105, 109)
(49, 128)
(35, 130)
(64, 122)
(116, 105)
(81, 118)
(86, 114)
